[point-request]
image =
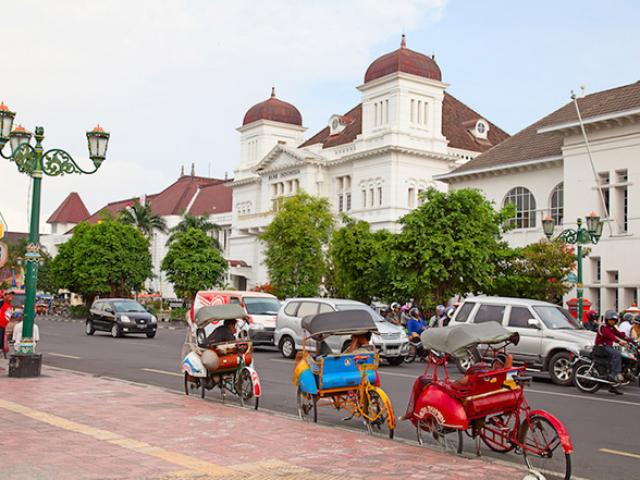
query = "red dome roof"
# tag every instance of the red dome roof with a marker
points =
(275, 110)
(403, 60)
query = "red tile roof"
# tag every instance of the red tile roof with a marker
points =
(457, 122)
(528, 144)
(71, 210)
(212, 199)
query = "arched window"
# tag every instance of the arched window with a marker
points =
(557, 204)
(525, 204)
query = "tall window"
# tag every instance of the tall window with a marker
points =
(344, 193)
(411, 201)
(606, 194)
(557, 204)
(525, 204)
(379, 196)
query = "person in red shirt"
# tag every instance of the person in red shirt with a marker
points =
(606, 337)
(5, 316)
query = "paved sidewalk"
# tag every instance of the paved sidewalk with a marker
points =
(67, 425)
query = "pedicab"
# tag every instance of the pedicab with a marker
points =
(487, 404)
(227, 366)
(348, 381)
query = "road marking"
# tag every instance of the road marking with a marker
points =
(63, 355)
(113, 438)
(595, 399)
(620, 452)
(153, 370)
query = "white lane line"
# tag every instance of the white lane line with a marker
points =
(595, 399)
(153, 370)
(620, 452)
(62, 355)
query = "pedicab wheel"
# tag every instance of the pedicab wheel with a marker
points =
(186, 383)
(497, 431)
(542, 450)
(411, 354)
(448, 439)
(307, 406)
(203, 388)
(245, 389)
(377, 415)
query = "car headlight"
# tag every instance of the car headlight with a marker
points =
(153, 319)
(125, 319)
(376, 339)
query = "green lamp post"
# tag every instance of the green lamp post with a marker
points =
(35, 162)
(577, 236)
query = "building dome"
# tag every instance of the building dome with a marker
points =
(275, 110)
(403, 60)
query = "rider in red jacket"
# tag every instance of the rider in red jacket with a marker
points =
(606, 337)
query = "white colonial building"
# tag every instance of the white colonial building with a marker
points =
(371, 162)
(545, 170)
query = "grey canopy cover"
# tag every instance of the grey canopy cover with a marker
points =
(345, 322)
(218, 312)
(455, 340)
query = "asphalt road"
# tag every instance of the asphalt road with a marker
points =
(603, 427)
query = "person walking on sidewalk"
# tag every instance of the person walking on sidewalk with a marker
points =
(5, 315)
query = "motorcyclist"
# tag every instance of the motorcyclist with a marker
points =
(449, 314)
(416, 325)
(394, 315)
(592, 323)
(635, 328)
(625, 325)
(607, 335)
(438, 320)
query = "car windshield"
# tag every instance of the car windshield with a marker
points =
(128, 306)
(556, 318)
(355, 306)
(261, 306)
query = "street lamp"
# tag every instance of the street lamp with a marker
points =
(578, 236)
(35, 162)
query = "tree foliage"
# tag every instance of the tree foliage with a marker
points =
(109, 258)
(193, 263)
(447, 246)
(200, 222)
(536, 271)
(295, 245)
(143, 218)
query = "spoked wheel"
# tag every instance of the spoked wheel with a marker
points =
(307, 406)
(584, 384)
(448, 439)
(377, 414)
(542, 449)
(496, 432)
(245, 389)
(411, 353)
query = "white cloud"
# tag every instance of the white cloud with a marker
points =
(171, 79)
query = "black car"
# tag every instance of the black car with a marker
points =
(120, 316)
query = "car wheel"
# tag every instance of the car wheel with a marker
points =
(115, 331)
(560, 369)
(151, 334)
(88, 328)
(395, 361)
(287, 347)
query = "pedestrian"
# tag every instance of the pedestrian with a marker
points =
(17, 330)
(6, 309)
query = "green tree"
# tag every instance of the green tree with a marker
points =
(447, 246)
(45, 282)
(296, 241)
(360, 261)
(193, 263)
(109, 258)
(200, 222)
(143, 218)
(536, 271)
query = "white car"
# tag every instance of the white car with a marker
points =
(391, 341)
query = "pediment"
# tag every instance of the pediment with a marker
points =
(281, 157)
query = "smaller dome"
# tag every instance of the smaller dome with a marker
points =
(403, 60)
(275, 110)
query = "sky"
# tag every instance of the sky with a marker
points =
(172, 79)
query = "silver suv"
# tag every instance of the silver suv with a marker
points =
(391, 341)
(549, 336)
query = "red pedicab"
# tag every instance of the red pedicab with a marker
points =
(488, 404)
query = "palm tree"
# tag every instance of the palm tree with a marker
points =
(143, 218)
(200, 222)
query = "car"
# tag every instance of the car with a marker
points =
(120, 317)
(549, 336)
(261, 309)
(391, 341)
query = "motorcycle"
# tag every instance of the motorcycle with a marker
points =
(416, 350)
(591, 368)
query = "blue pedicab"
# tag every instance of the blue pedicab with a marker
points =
(348, 381)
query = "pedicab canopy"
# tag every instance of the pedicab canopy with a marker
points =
(218, 312)
(456, 339)
(345, 322)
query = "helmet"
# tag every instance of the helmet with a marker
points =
(611, 315)
(628, 317)
(395, 305)
(440, 309)
(636, 319)
(414, 312)
(451, 311)
(592, 315)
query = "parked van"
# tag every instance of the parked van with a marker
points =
(261, 308)
(549, 336)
